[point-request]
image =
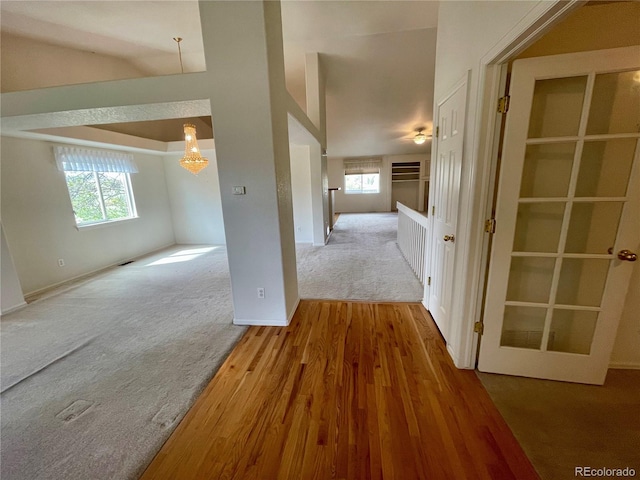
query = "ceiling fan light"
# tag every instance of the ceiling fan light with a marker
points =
(420, 138)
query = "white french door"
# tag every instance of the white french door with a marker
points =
(568, 216)
(446, 187)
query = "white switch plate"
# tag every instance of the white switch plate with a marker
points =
(237, 190)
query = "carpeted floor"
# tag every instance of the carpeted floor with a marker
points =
(96, 377)
(361, 261)
(562, 426)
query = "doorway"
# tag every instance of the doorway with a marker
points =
(520, 275)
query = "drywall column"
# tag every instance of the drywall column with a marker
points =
(245, 65)
(10, 290)
(319, 195)
(316, 111)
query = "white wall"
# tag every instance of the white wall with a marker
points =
(467, 32)
(196, 208)
(359, 203)
(370, 202)
(626, 351)
(10, 290)
(40, 227)
(28, 64)
(301, 193)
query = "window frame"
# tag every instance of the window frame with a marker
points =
(128, 194)
(72, 160)
(362, 191)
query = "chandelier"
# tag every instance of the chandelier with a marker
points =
(192, 160)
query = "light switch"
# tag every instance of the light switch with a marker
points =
(239, 191)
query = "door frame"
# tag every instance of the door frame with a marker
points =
(481, 138)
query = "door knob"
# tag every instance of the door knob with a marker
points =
(451, 238)
(627, 255)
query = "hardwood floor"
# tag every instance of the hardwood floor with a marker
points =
(348, 391)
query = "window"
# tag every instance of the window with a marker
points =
(362, 176)
(99, 184)
(362, 183)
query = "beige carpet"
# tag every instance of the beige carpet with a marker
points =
(96, 377)
(361, 261)
(562, 426)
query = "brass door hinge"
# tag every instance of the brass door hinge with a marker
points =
(503, 104)
(437, 131)
(490, 225)
(429, 281)
(478, 327)
(433, 210)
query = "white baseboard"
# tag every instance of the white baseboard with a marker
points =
(14, 308)
(625, 365)
(293, 311)
(270, 322)
(87, 275)
(259, 323)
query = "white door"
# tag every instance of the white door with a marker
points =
(568, 216)
(446, 191)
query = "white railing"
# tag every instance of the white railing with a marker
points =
(412, 238)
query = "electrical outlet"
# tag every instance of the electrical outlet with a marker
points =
(261, 292)
(60, 262)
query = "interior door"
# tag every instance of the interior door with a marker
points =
(446, 186)
(568, 216)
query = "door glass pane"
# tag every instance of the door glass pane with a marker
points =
(530, 279)
(582, 281)
(593, 227)
(572, 331)
(547, 170)
(605, 168)
(538, 227)
(522, 327)
(615, 106)
(557, 107)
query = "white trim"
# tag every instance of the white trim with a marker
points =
(259, 323)
(625, 365)
(268, 323)
(293, 311)
(97, 271)
(13, 308)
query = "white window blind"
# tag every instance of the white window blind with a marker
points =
(358, 167)
(74, 159)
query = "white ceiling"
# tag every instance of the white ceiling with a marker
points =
(378, 55)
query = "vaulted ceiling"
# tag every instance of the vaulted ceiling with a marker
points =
(378, 58)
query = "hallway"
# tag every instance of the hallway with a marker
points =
(348, 390)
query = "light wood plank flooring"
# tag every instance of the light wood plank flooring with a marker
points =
(348, 391)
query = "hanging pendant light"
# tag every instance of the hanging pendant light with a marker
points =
(192, 160)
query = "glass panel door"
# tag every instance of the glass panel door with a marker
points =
(573, 189)
(567, 216)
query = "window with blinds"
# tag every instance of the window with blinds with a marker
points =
(362, 176)
(99, 184)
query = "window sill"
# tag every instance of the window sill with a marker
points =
(92, 226)
(361, 193)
